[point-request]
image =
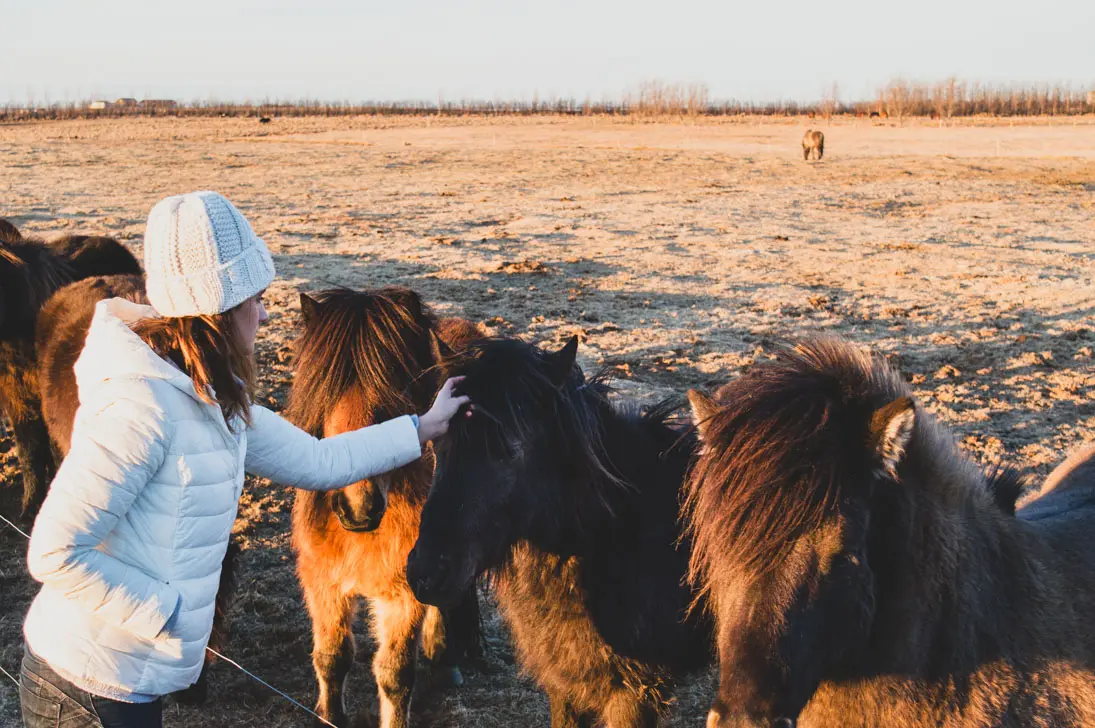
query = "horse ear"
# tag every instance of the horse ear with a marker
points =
(704, 408)
(562, 361)
(8, 231)
(891, 431)
(309, 307)
(409, 300)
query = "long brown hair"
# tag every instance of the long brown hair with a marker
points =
(209, 350)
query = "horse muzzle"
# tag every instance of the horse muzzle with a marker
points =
(433, 580)
(354, 520)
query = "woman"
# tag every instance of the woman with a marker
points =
(129, 542)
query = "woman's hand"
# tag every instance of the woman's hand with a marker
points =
(436, 422)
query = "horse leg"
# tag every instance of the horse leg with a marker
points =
(35, 461)
(453, 638)
(435, 645)
(625, 709)
(806, 154)
(563, 713)
(395, 626)
(332, 615)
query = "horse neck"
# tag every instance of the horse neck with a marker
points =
(958, 582)
(599, 506)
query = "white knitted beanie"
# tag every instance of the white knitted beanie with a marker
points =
(201, 256)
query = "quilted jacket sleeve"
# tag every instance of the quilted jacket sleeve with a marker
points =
(115, 451)
(282, 452)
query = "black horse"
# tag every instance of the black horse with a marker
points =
(30, 272)
(572, 505)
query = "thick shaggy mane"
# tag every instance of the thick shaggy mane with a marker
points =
(511, 383)
(374, 341)
(789, 436)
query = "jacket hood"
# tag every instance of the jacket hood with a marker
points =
(113, 351)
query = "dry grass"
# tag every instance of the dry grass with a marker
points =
(677, 253)
(653, 99)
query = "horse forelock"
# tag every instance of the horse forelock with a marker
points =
(510, 383)
(366, 342)
(787, 445)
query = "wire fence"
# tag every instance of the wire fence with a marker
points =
(211, 651)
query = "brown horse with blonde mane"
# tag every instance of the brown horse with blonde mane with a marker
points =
(863, 572)
(364, 358)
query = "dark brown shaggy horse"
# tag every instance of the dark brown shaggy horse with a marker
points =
(863, 572)
(572, 505)
(62, 328)
(364, 358)
(30, 272)
(63, 323)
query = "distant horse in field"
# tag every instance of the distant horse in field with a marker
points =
(364, 358)
(572, 505)
(813, 142)
(63, 323)
(30, 272)
(863, 572)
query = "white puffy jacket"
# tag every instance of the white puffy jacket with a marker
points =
(137, 520)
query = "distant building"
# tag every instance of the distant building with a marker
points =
(126, 102)
(159, 104)
(98, 105)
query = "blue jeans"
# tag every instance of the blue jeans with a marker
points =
(50, 701)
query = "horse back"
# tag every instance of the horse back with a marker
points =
(95, 255)
(60, 333)
(1067, 498)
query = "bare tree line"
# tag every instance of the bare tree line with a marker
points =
(652, 99)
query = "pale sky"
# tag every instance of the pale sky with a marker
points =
(512, 49)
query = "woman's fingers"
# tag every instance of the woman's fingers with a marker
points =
(450, 383)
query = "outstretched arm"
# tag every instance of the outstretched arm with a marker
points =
(282, 452)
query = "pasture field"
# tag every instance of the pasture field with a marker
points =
(679, 254)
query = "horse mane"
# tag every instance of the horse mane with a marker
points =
(373, 342)
(790, 437)
(508, 379)
(1006, 485)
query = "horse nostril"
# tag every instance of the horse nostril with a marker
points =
(783, 723)
(377, 507)
(426, 575)
(442, 564)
